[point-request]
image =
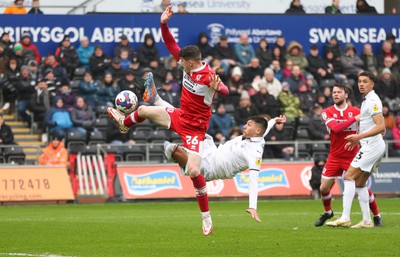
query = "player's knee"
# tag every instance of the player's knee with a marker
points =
(193, 172)
(324, 189)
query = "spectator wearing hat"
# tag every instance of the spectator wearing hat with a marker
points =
(83, 117)
(290, 103)
(3, 61)
(8, 44)
(108, 90)
(369, 59)
(18, 54)
(88, 88)
(11, 78)
(296, 55)
(28, 47)
(318, 66)
(129, 82)
(35, 8)
(264, 101)
(67, 56)
(115, 68)
(25, 90)
(85, 51)
(17, 7)
(205, 49)
(388, 89)
(6, 133)
(124, 45)
(226, 52)
(333, 8)
(34, 71)
(386, 51)
(52, 65)
(245, 109)
(136, 66)
(39, 104)
(55, 152)
(99, 62)
(317, 129)
(244, 50)
(388, 116)
(147, 51)
(295, 8)
(351, 62)
(220, 124)
(274, 86)
(364, 8)
(316, 174)
(235, 85)
(65, 92)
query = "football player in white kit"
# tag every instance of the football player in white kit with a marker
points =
(369, 156)
(234, 156)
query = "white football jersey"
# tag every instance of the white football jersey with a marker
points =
(370, 107)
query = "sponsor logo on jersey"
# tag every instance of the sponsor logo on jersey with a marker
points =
(150, 183)
(324, 116)
(267, 179)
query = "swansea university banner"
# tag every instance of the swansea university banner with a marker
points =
(165, 181)
(105, 29)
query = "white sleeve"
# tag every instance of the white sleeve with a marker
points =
(271, 124)
(253, 189)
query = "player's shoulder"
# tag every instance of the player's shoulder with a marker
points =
(353, 109)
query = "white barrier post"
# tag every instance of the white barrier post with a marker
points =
(80, 173)
(85, 175)
(91, 175)
(98, 177)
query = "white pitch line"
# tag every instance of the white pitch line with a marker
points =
(34, 255)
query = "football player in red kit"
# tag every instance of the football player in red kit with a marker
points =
(341, 120)
(199, 87)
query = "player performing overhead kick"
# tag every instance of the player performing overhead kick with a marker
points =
(199, 86)
(234, 156)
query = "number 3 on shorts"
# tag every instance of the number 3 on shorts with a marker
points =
(192, 140)
(359, 155)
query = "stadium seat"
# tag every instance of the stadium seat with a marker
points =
(89, 150)
(14, 154)
(101, 124)
(328, 82)
(101, 111)
(134, 153)
(319, 149)
(229, 108)
(117, 150)
(159, 136)
(156, 153)
(304, 122)
(78, 74)
(75, 142)
(302, 134)
(96, 137)
(303, 151)
(141, 136)
(175, 138)
(74, 85)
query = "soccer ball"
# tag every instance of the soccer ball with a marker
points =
(126, 101)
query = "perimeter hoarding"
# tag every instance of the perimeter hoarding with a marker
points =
(165, 181)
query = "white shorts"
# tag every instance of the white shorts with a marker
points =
(369, 158)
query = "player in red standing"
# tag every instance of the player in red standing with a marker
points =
(341, 120)
(199, 86)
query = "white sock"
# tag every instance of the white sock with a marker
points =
(363, 199)
(160, 102)
(205, 215)
(348, 196)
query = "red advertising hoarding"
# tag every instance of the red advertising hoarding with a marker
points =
(165, 181)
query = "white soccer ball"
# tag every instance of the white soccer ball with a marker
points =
(126, 101)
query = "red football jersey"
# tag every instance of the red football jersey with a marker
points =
(334, 114)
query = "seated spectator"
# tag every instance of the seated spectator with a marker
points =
(253, 72)
(82, 117)
(295, 78)
(136, 67)
(124, 59)
(124, 45)
(306, 98)
(396, 136)
(388, 89)
(29, 48)
(39, 104)
(388, 63)
(274, 86)
(25, 90)
(317, 128)
(295, 8)
(99, 62)
(278, 71)
(114, 135)
(34, 71)
(174, 68)
(334, 66)
(88, 88)
(245, 109)
(276, 54)
(244, 50)
(147, 51)
(281, 44)
(316, 173)
(226, 52)
(52, 64)
(175, 86)
(265, 102)
(35, 8)
(58, 119)
(235, 85)
(157, 70)
(216, 65)
(108, 90)
(9, 90)
(128, 82)
(364, 8)
(67, 95)
(220, 124)
(334, 47)
(55, 152)
(386, 51)
(321, 100)
(263, 54)
(17, 7)
(290, 103)
(287, 70)
(18, 54)
(85, 51)
(327, 92)
(166, 93)
(67, 56)
(6, 133)
(281, 151)
(392, 40)
(333, 8)
(352, 64)
(389, 119)
(3, 60)
(369, 59)
(205, 49)
(53, 83)
(8, 44)
(317, 66)
(296, 55)
(116, 68)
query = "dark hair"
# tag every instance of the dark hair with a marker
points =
(261, 121)
(190, 52)
(343, 85)
(368, 74)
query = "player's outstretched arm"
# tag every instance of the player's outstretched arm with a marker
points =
(166, 15)
(254, 214)
(218, 85)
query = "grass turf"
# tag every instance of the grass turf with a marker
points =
(174, 229)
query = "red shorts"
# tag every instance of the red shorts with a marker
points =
(191, 136)
(334, 167)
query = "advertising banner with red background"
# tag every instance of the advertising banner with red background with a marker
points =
(165, 181)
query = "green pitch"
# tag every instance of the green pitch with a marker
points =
(174, 229)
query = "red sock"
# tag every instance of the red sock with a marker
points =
(372, 203)
(326, 201)
(200, 187)
(132, 119)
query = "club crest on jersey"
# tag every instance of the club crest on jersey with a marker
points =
(198, 77)
(334, 115)
(350, 114)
